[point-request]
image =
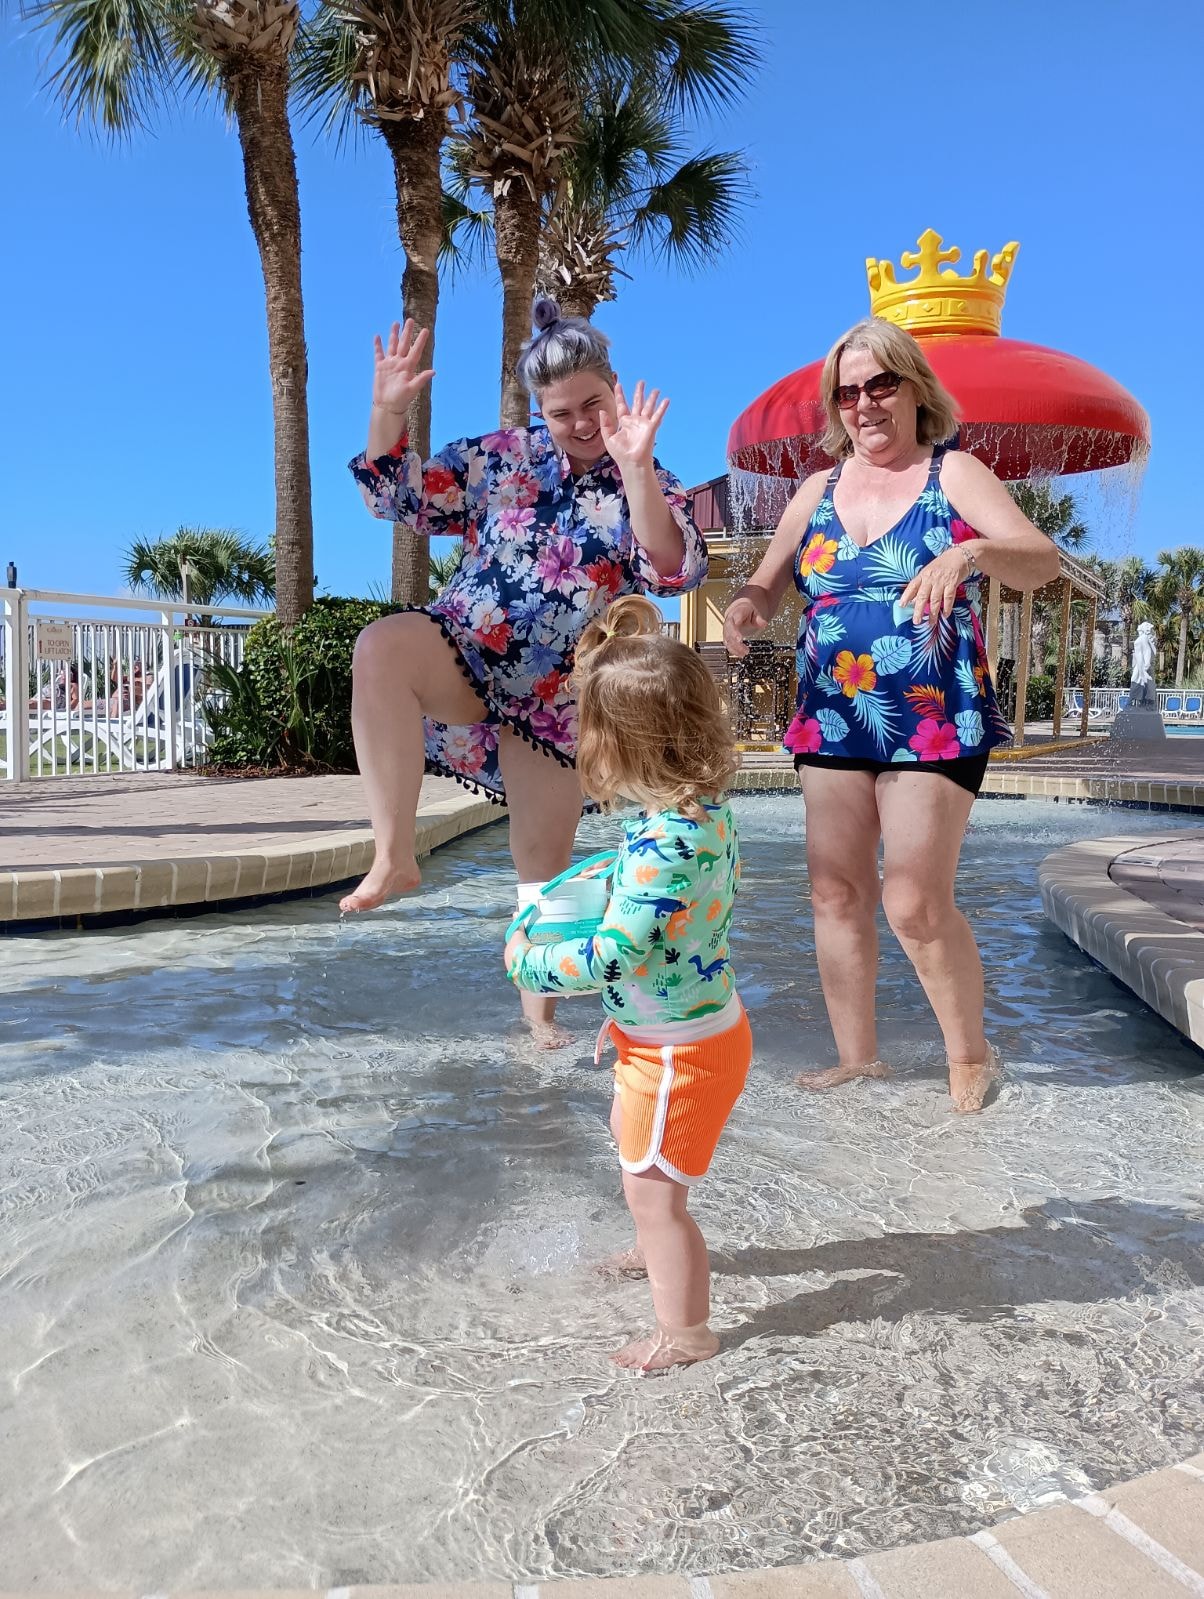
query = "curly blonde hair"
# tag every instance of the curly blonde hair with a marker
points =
(652, 724)
(936, 418)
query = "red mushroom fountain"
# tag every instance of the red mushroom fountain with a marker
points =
(1025, 410)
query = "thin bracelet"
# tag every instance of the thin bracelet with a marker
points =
(387, 409)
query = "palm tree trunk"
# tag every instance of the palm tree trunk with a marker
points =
(576, 300)
(415, 145)
(258, 90)
(516, 244)
(1181, 664)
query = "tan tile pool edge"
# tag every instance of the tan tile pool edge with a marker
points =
(1003, 782)
(1149, 1531)
(320, 859)
(1160, 959)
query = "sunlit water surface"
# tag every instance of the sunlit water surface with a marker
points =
(297, 1242)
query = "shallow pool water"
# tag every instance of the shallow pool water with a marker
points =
(297, 1235)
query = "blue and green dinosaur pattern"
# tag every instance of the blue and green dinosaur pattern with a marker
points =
(661, 953)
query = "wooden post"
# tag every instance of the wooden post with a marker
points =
(1089, 663)
(689, 618)
(994, 597)
(1022, 653)
(1063, 644)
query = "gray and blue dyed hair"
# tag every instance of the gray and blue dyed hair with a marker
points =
(561, 347)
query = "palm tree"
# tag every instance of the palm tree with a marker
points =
(202, 566)
(443, 568)
(1057, 515)
(387, 65)
(632, 185)
(526, 86)
(115, 60)
(1130, 579)
(1183, 576)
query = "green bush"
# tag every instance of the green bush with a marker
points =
(288, 707)
(1039, 700)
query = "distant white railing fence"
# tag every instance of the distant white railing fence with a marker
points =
(87, 692)
(1179, 704)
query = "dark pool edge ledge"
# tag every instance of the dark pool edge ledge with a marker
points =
(1159, 958)
(110, 894)
(1144, 1536)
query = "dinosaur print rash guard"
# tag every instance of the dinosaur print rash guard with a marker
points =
(661, 953)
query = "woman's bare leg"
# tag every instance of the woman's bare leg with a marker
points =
(404, 669)
(924, 820)
(544, 799)
(842, 863)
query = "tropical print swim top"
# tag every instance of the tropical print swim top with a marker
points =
(544, 553)
(872, 685)
(661, 953)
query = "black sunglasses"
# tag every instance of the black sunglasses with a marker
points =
(880, 387)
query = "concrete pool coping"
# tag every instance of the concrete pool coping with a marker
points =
(1109, 897)
(1143, 1538)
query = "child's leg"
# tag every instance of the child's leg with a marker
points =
(679, 1274)
(626, 1262)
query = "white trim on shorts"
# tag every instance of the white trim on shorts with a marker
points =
(653, 1156)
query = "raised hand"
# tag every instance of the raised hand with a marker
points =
(741, 621)
(629, 439)
(399, 375)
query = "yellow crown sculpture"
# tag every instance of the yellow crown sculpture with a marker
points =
(938, 301)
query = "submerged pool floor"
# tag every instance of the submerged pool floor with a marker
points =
(297, 1236)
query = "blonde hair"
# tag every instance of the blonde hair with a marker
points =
(936, 418)
(652, 724)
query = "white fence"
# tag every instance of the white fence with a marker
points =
(87, 693)
(1176, 704)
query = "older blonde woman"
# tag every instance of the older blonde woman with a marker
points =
(896, 710)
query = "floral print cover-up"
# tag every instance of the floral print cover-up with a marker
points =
(545, 552)
(872, 684)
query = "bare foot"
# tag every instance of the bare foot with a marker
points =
(627, 1263)
(663, 1349)
(548, 1035)
(970, 1083)
(381, 883)
(842, 1074)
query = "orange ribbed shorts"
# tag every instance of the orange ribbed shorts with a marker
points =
(676, 1099)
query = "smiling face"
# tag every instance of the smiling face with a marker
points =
(878, 429)
(570, 408)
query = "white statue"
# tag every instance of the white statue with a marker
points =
(1144, 652)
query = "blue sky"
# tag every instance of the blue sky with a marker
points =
(136, 394)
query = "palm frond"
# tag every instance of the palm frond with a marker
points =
(694, 213)
(324, 61)
(114, 59)
(709, 53)
(467, 238)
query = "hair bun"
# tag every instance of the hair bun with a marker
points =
(630, 616)
(545, 313)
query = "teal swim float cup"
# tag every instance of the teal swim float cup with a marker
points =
(571, 906)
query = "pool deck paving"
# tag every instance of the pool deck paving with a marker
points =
(1142, 1539)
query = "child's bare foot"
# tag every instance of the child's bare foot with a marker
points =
(666, 1348)
(548, 1035)
(627, 1263)
(835, 1075)
(381, 883)
(970, 1083)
